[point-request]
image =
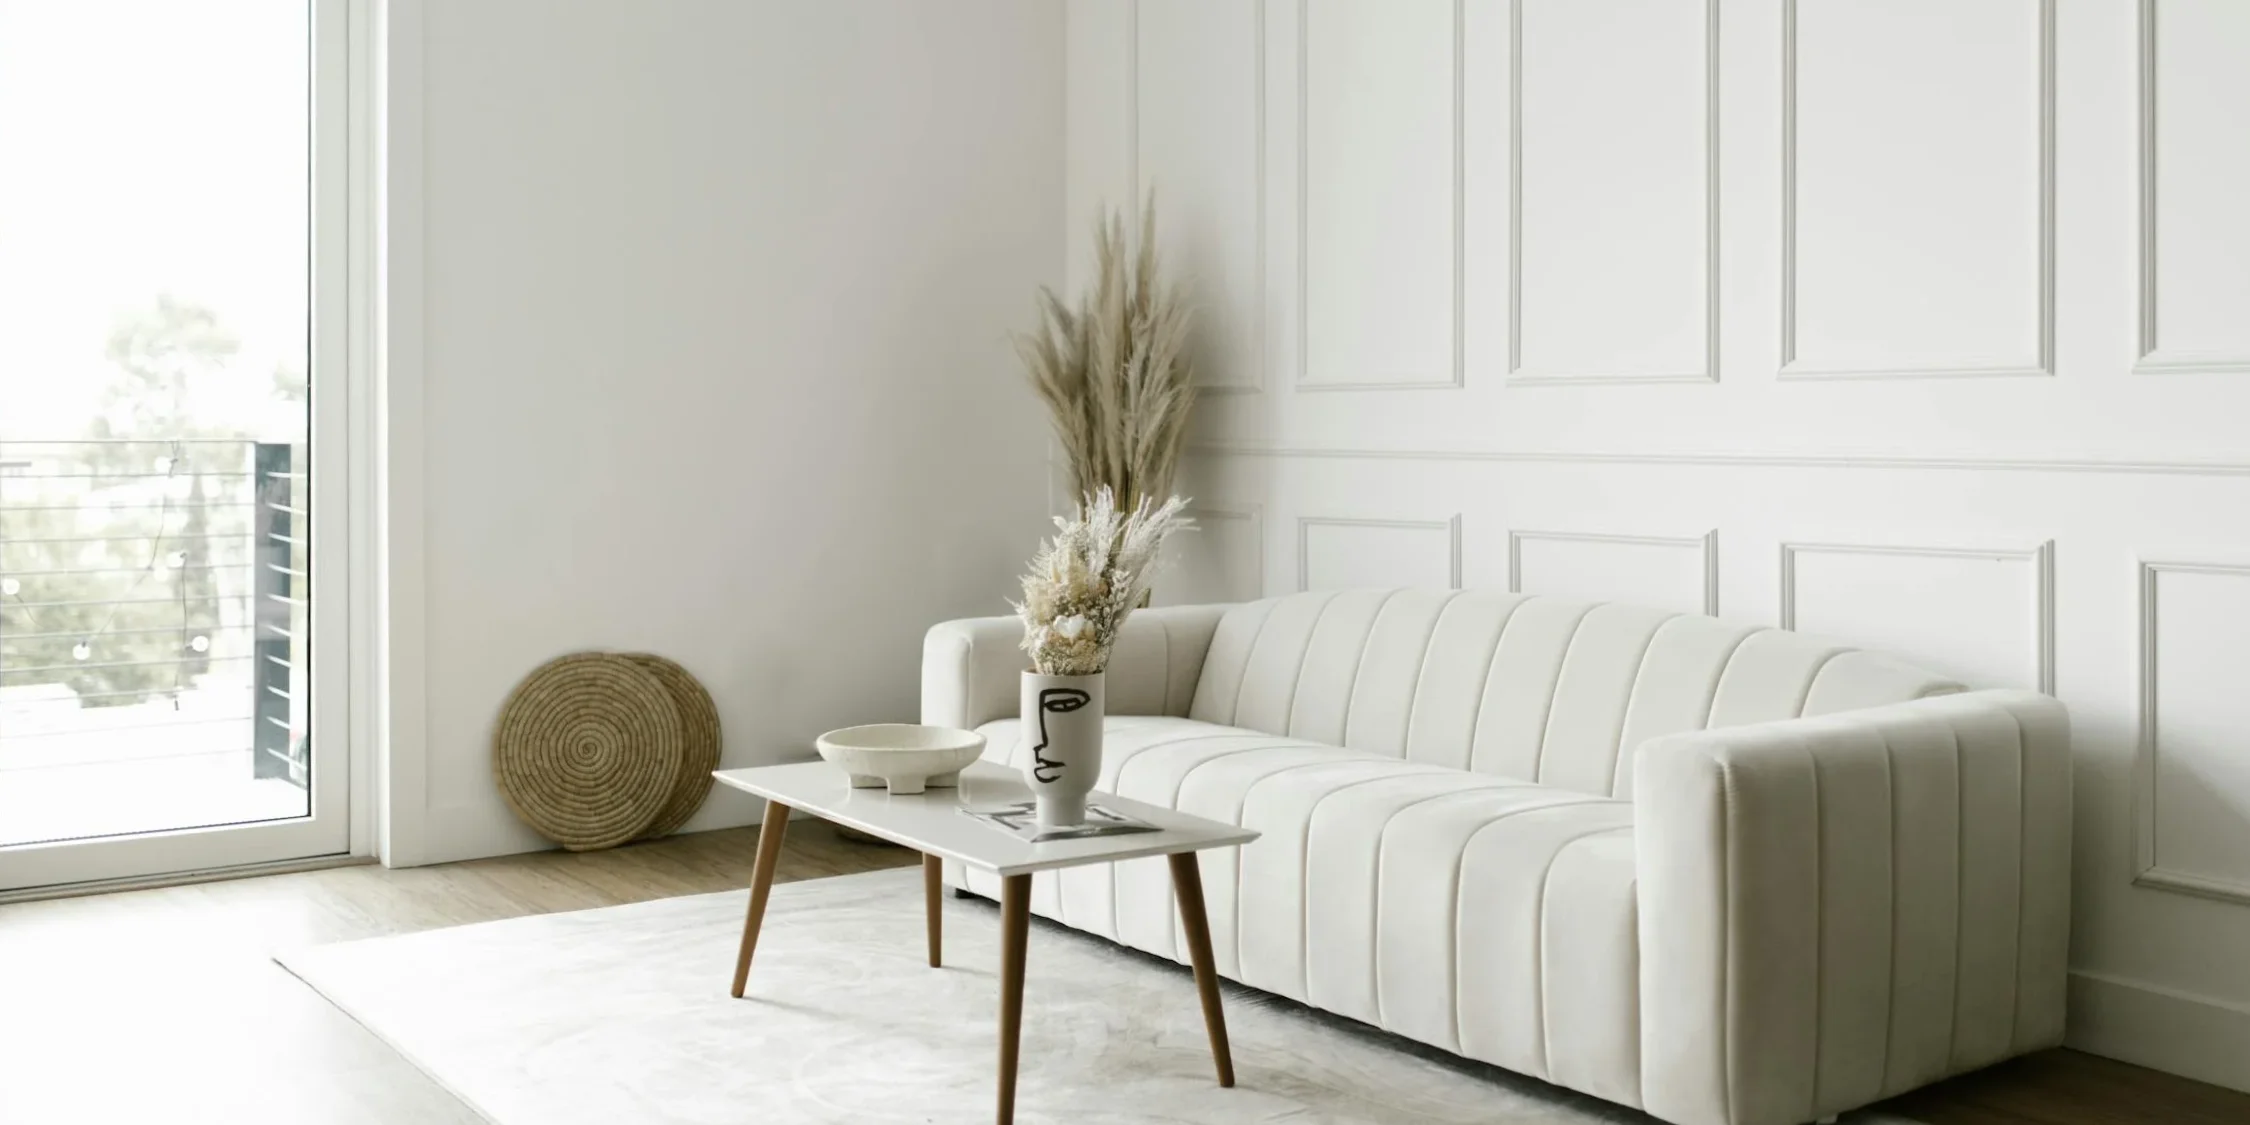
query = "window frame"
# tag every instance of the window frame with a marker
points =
(342, 180)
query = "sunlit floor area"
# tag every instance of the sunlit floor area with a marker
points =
(180, 980)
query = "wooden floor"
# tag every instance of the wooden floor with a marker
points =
(163, 1005)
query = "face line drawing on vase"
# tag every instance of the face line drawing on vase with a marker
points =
(1059, 701)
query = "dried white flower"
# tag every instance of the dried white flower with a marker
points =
(1085, 581)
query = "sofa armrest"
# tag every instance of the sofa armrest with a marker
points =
(970, 666)
(1859, 904)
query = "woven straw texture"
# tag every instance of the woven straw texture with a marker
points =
(699, 727)
(588, 749)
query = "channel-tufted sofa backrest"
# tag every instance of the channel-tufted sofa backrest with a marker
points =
(1535, 688)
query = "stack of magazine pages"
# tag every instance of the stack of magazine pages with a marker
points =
(1021, 820)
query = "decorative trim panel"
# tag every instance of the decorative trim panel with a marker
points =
(2041, 558)
(1450, 525)
(1455, 379)
(2043, 363)
(2152, 359)
(1710, 373)
(1721, 460)
(1254, 515)
(2148, 868)
(1706, 544)
(1256, 383)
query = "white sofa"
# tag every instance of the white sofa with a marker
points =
(1729, 875)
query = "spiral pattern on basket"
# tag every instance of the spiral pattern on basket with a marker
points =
(699, 729)
(588, 749)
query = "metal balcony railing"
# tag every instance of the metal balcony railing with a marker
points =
(153, 603)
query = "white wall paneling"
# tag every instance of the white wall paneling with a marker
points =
(1101, 126)
(1613, 217)
(1336, 553)
(1222, 559)
(1986, 615)
(1791, 229)
(2137, 466)
(1917, 198)
(1199, 131)
(2194, 179)
(1379, 195)
(2192, 827)
(1671, 572)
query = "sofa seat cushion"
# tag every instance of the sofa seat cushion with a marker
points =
(1488, 916)
(1149, 757)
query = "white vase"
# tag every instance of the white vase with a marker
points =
(1062, 737)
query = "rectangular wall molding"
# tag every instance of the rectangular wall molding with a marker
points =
(1708, 369)
(2039, 613)
(1254, 379)
(1719, 460)
(1704, 549)
(2041, 361)
(2153, 357)
(1453, 376)
(2149, 866)
(1445, 535)
(1211, 518)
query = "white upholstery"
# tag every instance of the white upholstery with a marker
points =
(1723, 873)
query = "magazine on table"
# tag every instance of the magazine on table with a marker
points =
(1021, 820)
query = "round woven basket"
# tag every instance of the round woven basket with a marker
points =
(588, 749)
(699, 730)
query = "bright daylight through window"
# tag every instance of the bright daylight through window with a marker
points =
(155, 297)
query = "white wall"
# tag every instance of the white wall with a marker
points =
(697, 331)
(1921, 322)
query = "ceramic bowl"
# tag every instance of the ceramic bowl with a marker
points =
(904, 757)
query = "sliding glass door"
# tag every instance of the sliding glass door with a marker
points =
(172, 306)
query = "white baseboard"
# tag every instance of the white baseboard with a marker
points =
(2162, 1028)
(464, 833)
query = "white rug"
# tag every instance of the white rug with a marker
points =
(621, 1015)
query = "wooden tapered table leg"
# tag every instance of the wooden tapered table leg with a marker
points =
(1187, 886)
(761, 883)
(933, 904)
(1015, 931)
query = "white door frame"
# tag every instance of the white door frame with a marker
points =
(395, 819)
(345, 504)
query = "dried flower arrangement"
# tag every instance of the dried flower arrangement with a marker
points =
(1115, 372)
(1085, 581)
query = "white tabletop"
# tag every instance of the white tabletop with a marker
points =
(931, 822)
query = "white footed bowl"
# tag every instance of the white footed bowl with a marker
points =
(903, 756)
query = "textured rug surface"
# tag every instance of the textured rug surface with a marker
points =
(622, 1015)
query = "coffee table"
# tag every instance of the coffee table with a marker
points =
(931, 823)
